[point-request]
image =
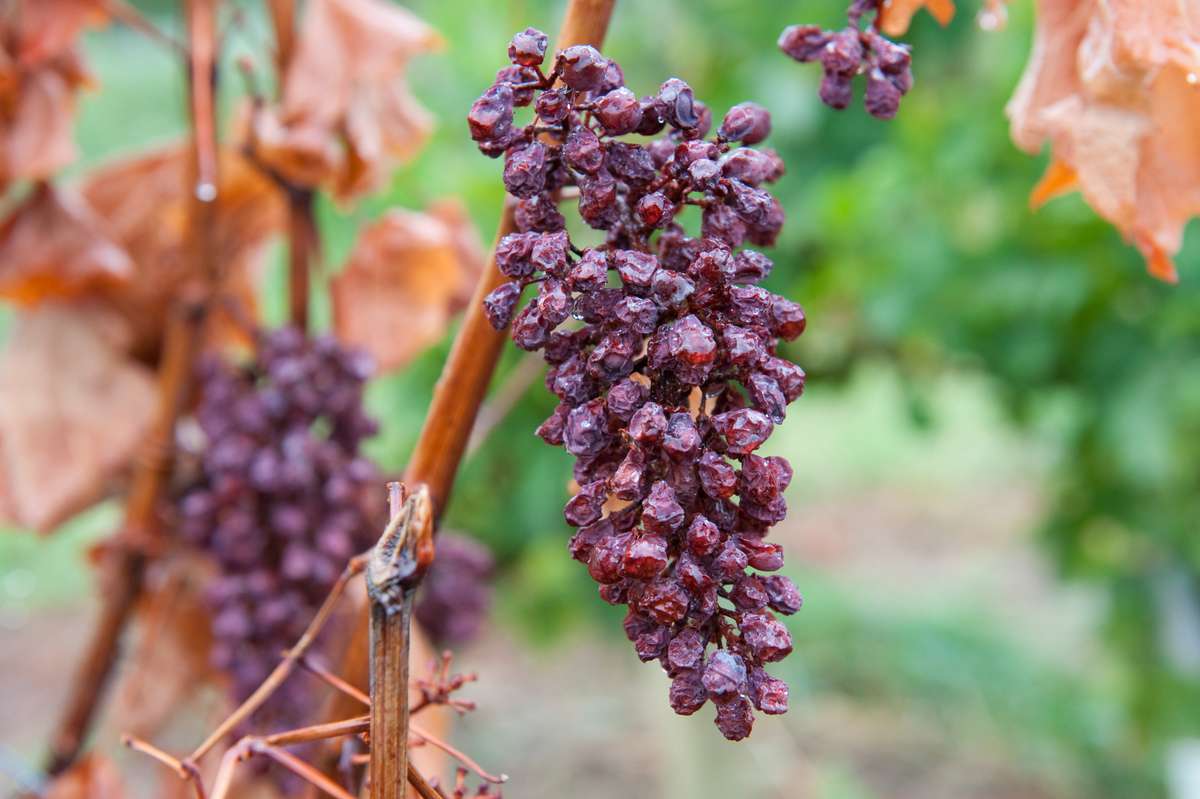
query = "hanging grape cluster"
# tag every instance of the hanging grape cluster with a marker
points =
(283, 502)
(853, 51)
(663, 356)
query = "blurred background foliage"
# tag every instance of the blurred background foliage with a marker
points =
(954, 335)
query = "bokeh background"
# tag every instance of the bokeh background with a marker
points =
(995, 499)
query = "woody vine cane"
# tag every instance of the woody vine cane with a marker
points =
(456, 401)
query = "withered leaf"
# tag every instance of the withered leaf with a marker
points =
(54, 246)
(145, 200)
(346, 114)
(896, 15)
(1112, 86)
(73, 408)
(93, 776)
(38, 78)
(46, 29)
(402, 283)
(467, 247)
(37, 139)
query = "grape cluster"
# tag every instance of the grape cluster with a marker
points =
(663, 357)
(849, 52)
(627, 190)
(283, 500)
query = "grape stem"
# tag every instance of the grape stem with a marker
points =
(394, 571)
(126, 555)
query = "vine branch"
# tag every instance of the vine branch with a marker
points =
(125, 560)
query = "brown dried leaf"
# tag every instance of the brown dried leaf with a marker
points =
(346, 113)
(896, 15)
(54, 246)
(145, 202)
(37, 139)
(401, 285)
(73, 408)
(471, 255)
(93, 776)
(46, 29)
(1059, 179)
(38, 79)
(1112, 86)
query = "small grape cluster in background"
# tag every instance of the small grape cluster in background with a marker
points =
(284, 502)
(849, 52)
(663, 357)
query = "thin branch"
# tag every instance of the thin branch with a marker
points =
(303, 770)
(303, 252)
(286, 666)
(202, 47)
(319, 732)
(322, 673)
(124, 12)
(416, 780)
(187, 771)
(450, 750)
(146, 748)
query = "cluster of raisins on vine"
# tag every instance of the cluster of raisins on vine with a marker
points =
(283, 501)
(663, 357)
(849, 52)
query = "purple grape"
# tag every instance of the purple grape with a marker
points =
(670, 380)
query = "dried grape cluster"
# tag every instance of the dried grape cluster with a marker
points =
(282, 504)
(852, 51)
(663, 357)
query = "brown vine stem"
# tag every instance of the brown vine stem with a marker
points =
(396, 568)
(468, 370)
(124, 563)
(477, 347)
(304, 239)
(136, 20)
(303, 250)
(424, 789)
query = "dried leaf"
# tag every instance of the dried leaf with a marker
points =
(38, 78)
(1112, 86)
(46, 29)
(93, 776)
(54, 246)
(471, 255)
(145, 202)
(400, 287)
(37, 140)
(346, 113)
(896, 15)
(73, 408)
(1059, 179)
